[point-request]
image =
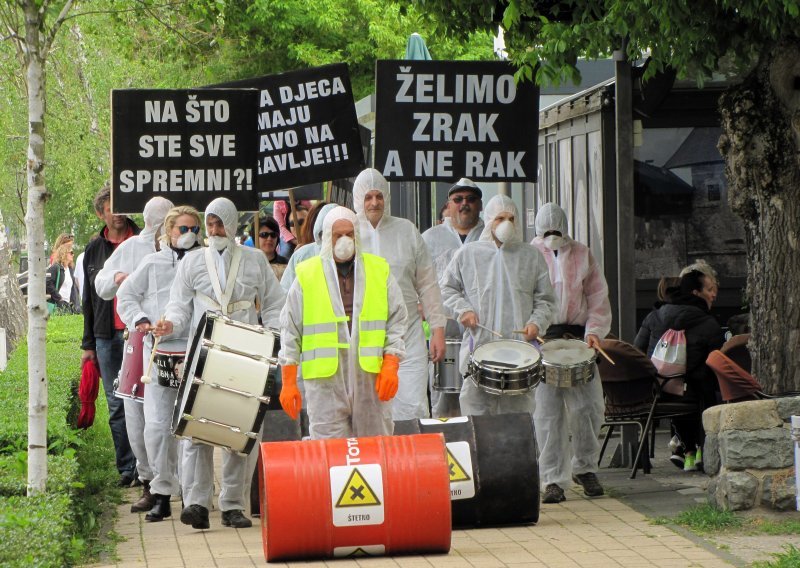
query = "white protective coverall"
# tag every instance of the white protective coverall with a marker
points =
(346, 404)
(399, 242)
(126, 258)
(145, 295)
(582, 299)
(443, 242)
(191, 295)
(507, 287)
(306, 251)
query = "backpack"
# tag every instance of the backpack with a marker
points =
(669, 359)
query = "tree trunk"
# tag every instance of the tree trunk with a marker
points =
(12, 304)
(34, 221)
(761, 120)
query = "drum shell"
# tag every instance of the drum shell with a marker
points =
(447, 377)
(129, 383)
(504, 465)
(565, 375)
(297, 506)
(498, 379)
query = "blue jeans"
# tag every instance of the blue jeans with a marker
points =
(109, 357)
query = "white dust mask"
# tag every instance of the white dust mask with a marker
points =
(554, 242)
(218, 243)
(345, 248)
(186, 240)
(504, 231)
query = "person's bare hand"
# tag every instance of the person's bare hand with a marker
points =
(163, 327)
(144, 327)
(120, 277)
(469, 319)
(88, 355)
(437, 344)
(531, 332)
(593, 341)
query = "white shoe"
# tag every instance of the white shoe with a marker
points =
(674, 444)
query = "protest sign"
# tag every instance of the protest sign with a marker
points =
(189, 146)
(443, 120)
(307, 125)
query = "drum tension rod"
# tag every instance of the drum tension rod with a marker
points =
(263, 399)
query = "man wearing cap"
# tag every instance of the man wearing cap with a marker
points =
(122, 262)
(228, 278)
(462, 224)
(343, 322)
(399, 242)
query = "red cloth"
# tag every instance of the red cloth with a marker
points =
(87, 392)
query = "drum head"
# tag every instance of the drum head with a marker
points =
(506, 354)
(567, 352)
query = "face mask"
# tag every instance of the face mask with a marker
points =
(345, 248)
(218, 243)
(186, 241)
(504, 231)
(553, 242)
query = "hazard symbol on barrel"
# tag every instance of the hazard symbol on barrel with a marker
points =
(459, 464)
(357, 495)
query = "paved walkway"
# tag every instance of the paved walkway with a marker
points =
(611, 531)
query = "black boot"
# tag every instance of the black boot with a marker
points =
(146, 501)
(161, 510)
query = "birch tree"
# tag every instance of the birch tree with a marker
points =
(32, 25)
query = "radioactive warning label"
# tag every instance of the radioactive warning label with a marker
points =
(357, 495)
(462, 478)
(437, 421)
(359, 551)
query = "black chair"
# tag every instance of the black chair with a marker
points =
(634, 394)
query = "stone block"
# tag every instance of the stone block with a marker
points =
(711, 417)
(757, 449)
(714, 493)
(787, 407)
(778, 491)
(711, 461)
(739, 490)
(750, 415)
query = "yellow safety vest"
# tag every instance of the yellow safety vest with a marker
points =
(320, 343)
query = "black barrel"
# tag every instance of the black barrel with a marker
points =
(494, 471)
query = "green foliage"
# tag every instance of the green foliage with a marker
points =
(788, 559)
(678, 33)
(704, 519)
(771, 527)
(61, 526)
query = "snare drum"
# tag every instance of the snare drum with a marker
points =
(446, 376)
(567, 362)
(505, 366)
(128, 383)
(168, 366)
(225, 389)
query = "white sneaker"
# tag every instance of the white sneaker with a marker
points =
(674, 444)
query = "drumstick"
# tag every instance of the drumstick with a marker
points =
(604, 354)
(500, 335)
(146, 377)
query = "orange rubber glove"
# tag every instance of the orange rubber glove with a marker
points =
(291, 401)
(386, 383)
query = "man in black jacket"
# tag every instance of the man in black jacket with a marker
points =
(102, 327)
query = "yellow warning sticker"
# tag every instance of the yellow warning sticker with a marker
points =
(462, 475)
(357, 492)
(440, 421)
(356, 496)
(457, 472)
(359, 551)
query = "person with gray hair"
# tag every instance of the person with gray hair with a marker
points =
(246, 279)
(343, 323)
(399, 242)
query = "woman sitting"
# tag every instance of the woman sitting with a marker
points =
(687, 308)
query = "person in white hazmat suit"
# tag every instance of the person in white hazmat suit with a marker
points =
(502, 284)
(228, 278)
(399, 242)
(344, 322)
(125, 259)
(141, 301)
(583, 310)
(462, 225)
(306, 251)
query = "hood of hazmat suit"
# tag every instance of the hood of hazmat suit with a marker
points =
(497, 205)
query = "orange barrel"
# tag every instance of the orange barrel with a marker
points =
(351, 497)
(494, 471)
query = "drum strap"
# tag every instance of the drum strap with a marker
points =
(223, 299)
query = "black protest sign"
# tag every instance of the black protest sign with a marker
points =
(308, 130)
(189, 146)
(443, 120)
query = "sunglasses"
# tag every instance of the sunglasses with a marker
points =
(299, 223)
(184, 229)
(268, 235)
(459, 198)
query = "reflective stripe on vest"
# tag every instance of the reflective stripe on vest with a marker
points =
(320, 343)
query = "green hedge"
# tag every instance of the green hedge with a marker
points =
(51, 529)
